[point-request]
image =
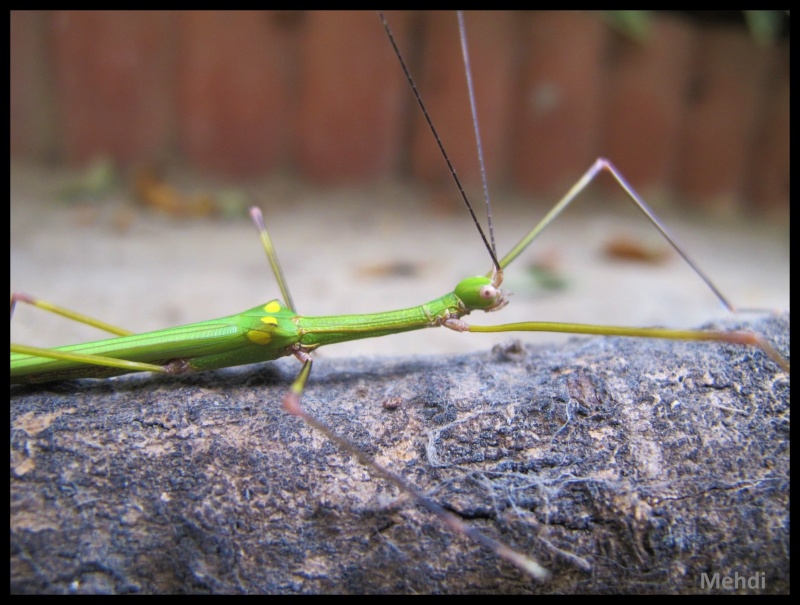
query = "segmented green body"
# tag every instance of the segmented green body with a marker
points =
(262, 333)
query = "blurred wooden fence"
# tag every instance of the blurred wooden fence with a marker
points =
(694, 113)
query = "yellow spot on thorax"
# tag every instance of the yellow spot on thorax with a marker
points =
(258, 337)
(264, 337)
(272, 306)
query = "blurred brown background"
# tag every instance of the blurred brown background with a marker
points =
(693, 110)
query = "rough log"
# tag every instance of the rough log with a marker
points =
(621, 465)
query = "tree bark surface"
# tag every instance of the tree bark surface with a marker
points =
(621, 465)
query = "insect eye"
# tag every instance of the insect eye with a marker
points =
(488, 292)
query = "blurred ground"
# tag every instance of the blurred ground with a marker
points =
(367, 250)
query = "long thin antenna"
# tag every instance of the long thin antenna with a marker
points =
(462, 30)
(489, 247)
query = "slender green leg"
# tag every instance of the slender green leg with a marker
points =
(69, 314)
(736, 337)
(601, 165)
(99, 360)
(272, 256)
(96, 360)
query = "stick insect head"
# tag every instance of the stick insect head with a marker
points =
(481, 294)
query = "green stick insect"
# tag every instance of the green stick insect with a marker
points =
(276, 329)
